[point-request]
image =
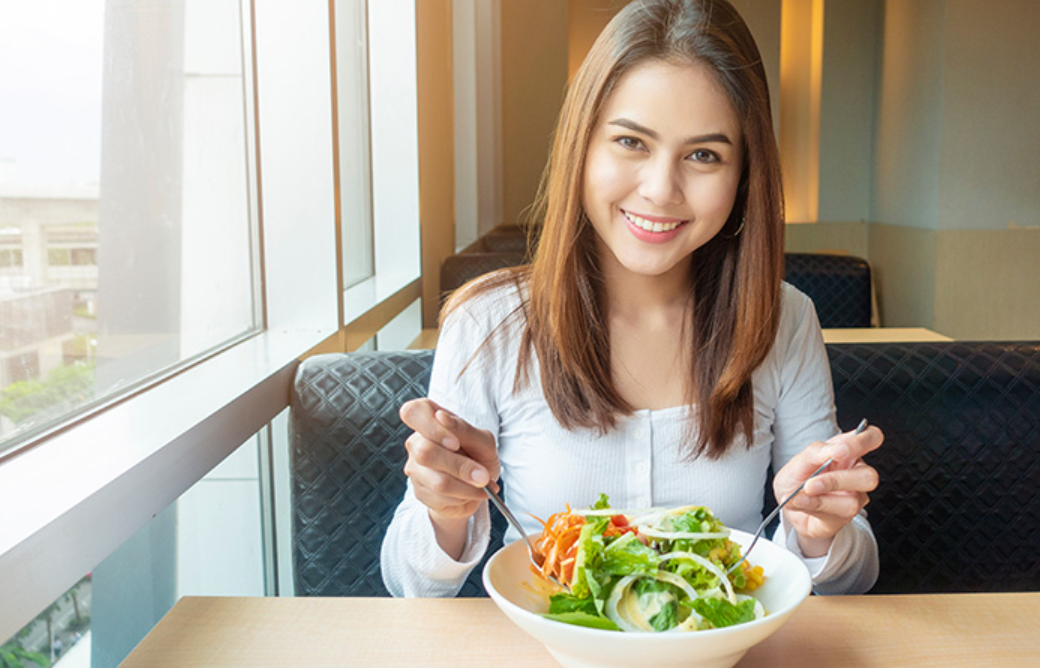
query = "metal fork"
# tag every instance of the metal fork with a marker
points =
(527, 541)
(769, 518)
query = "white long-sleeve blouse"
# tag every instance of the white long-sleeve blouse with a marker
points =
(641, 463)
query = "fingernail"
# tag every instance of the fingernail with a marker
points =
(450, 442)
(814, 487)
(479, 477)
(445, 418)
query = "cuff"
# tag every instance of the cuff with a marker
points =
(438, 565)
(820, 568)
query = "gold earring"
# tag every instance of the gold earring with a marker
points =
(740, 228)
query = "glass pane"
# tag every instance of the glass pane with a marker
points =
(208, 543)
(125, 228)
(59, 632)
(355, 182)
(402, 331)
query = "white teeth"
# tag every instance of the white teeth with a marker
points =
(649, 225)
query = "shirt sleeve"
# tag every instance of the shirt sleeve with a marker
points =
(805, 413)
(412, 562)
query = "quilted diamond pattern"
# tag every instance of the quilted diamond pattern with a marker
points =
(957, 510)
(958, 507)
(839, 286)
(347, 458)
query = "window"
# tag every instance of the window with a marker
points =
(124, 176)
(378, 150)
(98, 478)
(10, 257)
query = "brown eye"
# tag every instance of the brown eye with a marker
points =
(630, 143)
(704, 155)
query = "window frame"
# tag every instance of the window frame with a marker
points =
(83, 489)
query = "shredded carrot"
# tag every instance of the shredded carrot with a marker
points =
(558, 543)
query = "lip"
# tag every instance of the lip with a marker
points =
(653, 237)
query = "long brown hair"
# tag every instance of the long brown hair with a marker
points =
(734, 278)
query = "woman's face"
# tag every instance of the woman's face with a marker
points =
(662, 168)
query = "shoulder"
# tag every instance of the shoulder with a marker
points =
(489, 303)
(799, 328)
(796, 311)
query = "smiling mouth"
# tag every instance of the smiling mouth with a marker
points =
(651, 225)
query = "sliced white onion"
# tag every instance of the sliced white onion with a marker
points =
(718, 572)
(681, 535)
(678, 581)
(612, 608)
(622, 594)
(760, 611)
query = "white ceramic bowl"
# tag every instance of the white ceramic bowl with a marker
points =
(523, 597)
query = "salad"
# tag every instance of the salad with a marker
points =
(656, 570)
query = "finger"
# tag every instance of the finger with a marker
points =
(846, 448)
(435, 491)
(427, 454)
(802, 465)
(479, 444)
(439, 490)
(817, 525)
(420, 415)
(860, 478)
(844, 505)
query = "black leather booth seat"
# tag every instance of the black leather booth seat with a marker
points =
(958, 508)
(839, 285)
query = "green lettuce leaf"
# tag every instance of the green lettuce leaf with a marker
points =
(584, 619)
(627, 556)
(561, 602)
(660, 596)
(719, 612)
(602, 503)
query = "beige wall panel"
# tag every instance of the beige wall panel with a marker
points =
(909, 119)
(534, 77)
(850, 238)
(903, 260)
(585, 20)
(763, 20)
(988, 284)
(990, 166)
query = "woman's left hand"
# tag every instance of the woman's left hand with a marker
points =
(830, 500)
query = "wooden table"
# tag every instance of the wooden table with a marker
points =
(428, 338)
(947, 631)
(881, 335)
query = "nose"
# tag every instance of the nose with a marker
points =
(660, 182)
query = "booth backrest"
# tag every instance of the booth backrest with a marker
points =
(958, 508)
(839, 285)
(347, 461)
(457, 269)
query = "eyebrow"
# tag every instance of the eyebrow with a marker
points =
(717, 137)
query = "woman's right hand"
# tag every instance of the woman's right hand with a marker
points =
(449, 463)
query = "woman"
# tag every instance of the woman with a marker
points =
(650, 351)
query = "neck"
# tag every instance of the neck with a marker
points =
(634, 295)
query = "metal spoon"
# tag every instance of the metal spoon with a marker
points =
(531, 554)
(769, 518)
